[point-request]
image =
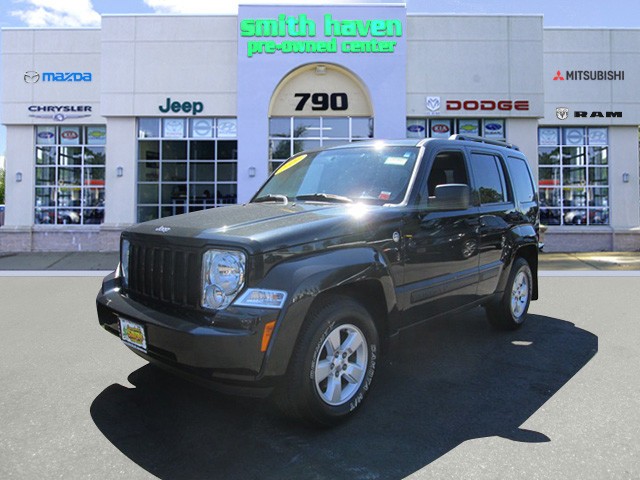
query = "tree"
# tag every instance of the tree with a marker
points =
(2, 172)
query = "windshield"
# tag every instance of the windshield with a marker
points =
(375, 175)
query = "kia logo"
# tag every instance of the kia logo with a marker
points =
(69, 135)
(31, 76)
(440, 129)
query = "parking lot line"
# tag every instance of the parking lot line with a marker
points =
(589, 273)
(54, 273)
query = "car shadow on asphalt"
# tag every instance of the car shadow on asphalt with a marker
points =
(448, 381)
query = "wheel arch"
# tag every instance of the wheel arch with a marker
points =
(360, 273)
(521, 242)
(370, 294)
(530, 254)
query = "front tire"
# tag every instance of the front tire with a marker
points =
(333, 363)
(510, 312)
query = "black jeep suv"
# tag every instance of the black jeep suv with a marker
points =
(296, 291)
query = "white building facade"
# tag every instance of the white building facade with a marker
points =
(150, 116)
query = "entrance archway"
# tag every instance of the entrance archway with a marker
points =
(317, 105)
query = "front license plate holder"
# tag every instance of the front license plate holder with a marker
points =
(133, 334)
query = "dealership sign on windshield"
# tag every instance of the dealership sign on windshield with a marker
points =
(300, 34)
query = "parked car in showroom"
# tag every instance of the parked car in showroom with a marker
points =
(298, 292)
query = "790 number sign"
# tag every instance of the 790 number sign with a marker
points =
(323, 101)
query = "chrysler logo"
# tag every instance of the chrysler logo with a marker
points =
(562, 113)
(31, 76)
(163, 229)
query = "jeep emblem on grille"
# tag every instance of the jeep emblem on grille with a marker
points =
(163, 229)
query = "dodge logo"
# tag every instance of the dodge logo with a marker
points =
(31, 76)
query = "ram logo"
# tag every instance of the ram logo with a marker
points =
(433, 103)
(580, 114)
(562, 113)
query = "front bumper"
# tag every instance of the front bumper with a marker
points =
(222, 348)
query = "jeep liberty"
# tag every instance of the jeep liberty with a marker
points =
(297, 292)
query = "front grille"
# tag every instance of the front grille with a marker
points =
(170, 275)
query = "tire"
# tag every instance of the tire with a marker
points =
(510, 312)
(325, 384)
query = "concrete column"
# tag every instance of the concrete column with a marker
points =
(624, 198)
(523, 132)
(120, 192)
(20, 158)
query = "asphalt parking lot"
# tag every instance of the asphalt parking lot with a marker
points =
(557, 399)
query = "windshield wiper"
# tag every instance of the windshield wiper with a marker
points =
(325, 197)
(272, 198)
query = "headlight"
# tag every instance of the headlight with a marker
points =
(124, 261)
(222, 277)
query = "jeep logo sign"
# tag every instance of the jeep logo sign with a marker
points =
(187, 107)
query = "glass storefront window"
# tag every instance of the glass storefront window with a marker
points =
(438, 127)
(69, 177)
(573, 175)
(185, 165)
(290, 135)
(148, 128)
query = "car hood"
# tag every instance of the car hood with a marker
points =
(262, 227)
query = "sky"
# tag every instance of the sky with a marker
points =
(79, 13)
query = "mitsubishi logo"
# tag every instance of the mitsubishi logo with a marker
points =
(31, 76)
(558, 76)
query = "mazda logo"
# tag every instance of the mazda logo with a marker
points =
(31, 76)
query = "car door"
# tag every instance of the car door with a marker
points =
(440, 246)
(496, 214)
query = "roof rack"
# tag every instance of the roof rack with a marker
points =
(473, 138)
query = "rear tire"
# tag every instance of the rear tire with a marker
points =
(510, 312)
(333, 363)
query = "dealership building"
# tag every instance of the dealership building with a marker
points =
(150, 116)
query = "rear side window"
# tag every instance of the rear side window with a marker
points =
(521, 180)
(489, 177)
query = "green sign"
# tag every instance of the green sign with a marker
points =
(187, 107)
(356, 36)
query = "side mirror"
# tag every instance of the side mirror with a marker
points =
(451, 196)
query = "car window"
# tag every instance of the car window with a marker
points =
(448, 167)
(489, 178)
(365, 174)
(521, 179)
